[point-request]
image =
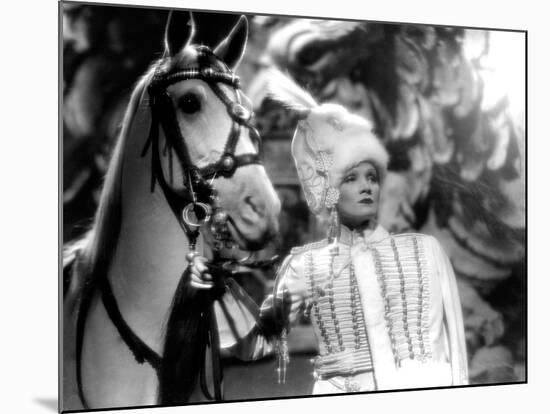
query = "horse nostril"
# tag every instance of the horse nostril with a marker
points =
(257, 206)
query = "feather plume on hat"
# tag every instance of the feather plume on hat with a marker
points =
(328, 141)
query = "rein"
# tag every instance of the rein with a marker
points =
(199, 198)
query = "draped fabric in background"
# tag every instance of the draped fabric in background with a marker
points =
(448, 104)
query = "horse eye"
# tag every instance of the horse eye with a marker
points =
(310, 55)
(190, 103)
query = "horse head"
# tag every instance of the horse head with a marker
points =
(206, 143)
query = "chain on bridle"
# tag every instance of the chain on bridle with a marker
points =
(200, 198)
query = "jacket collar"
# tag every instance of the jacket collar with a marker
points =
(352, 237)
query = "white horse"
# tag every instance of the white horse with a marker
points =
(186, 147)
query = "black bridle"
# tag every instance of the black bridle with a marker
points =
(198, 197)
(199, 191)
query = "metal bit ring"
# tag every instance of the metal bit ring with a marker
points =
(191, 206)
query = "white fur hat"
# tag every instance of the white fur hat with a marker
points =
(326, 145)
(328, 141)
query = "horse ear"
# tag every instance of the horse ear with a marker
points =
(180, 28)
(231, 49)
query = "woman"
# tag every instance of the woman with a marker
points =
(385, 308)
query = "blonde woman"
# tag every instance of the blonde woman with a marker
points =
(385, 308)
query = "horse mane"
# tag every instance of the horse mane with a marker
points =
(90, 255)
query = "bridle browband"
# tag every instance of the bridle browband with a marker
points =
(198, 196)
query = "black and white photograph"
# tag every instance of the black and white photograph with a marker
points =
(264, 206)
(267, 207)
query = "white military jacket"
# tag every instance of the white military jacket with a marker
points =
(385, 310)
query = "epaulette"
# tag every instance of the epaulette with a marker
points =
(309, 246)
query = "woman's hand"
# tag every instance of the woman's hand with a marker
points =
(200, 278)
